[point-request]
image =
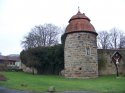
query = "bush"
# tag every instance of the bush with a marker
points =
(2, 67)
(47, 60)
(13, 68)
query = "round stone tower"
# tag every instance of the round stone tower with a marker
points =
(80, 50)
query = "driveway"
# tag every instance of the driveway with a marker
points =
(6, 90)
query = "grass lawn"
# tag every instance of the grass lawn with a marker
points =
(25, 81)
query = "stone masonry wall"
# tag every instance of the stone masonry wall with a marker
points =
(106, 67)
(80, 55)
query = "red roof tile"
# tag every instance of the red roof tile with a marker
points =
(79, 22)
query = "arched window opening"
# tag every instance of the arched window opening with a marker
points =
(88, 50)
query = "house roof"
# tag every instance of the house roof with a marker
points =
(14, 58)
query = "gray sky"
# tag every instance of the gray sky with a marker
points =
(17, 17)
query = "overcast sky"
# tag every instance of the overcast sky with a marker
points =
(17, 17)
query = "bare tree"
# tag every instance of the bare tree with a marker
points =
(114, 38)
(103, 40)
(42, 35)
(122, 41)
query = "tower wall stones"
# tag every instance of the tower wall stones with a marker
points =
(81, 55)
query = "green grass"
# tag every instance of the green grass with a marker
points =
(25, 81)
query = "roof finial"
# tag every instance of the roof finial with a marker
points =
(78, 9)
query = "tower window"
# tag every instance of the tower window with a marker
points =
(88, 50)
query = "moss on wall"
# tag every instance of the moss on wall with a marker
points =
(101, 60)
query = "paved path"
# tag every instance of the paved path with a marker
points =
(5, 90)
(78, 92)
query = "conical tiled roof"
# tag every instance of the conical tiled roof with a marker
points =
(79, 22)
(79, 15)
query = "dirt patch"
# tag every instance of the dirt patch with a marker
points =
(2, 78)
